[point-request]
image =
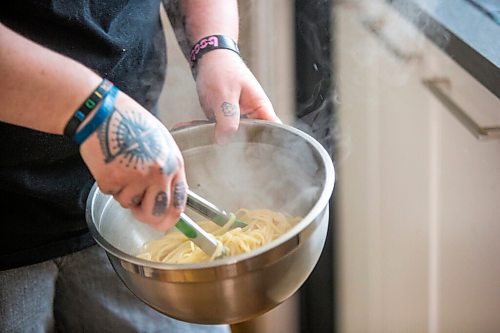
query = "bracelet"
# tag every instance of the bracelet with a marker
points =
(87, 107)
(101, 114)
(210, 43)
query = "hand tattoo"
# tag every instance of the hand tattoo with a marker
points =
(160, 205)
(170, 164)
(132, 139)
(228, 109)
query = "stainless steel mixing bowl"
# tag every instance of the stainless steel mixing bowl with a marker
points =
(265, 166)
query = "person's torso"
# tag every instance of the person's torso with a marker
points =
(43, 181)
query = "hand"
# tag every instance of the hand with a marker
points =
(228, 90)
(133, 157)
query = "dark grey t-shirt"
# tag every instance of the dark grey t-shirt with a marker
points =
(43, 181)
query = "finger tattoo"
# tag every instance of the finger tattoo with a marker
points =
(229, 109)
(160, 205)
(179, 194)
(136, 199)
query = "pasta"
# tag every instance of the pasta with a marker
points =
(263, 226)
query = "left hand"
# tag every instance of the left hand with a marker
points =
(228, 90)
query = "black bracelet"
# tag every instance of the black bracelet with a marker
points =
(209, 43)
(87, 107)
(106, 108)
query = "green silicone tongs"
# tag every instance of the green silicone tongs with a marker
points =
(206, 241)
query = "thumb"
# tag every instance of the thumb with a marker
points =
(256, 105)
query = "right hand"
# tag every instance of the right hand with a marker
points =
(133, 157)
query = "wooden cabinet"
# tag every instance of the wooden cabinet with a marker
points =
(418, 193)
(465, 225)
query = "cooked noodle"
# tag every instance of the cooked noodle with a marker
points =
(263, 226)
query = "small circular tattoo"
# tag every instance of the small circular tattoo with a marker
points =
(228, 109)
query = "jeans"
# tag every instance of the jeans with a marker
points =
(79, 293)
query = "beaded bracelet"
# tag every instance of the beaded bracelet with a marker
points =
(90, 103)
(101, 114)
(209, 43)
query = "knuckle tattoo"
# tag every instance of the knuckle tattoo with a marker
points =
(160, 204)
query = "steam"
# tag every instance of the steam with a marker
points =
(263, 167)
(383, 22)
(316, 101)
(423, 21)
(320, 123)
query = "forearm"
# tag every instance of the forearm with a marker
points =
(195, 19)
(39, 88)
(205, 18)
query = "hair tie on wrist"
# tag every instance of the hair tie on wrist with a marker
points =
(209, 43)
(83, 111)
(107, 106)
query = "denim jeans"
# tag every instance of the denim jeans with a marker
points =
(79, 293)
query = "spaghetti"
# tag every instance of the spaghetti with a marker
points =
(263, 226)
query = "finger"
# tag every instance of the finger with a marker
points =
(179, 194)
(154, 205)
(177, 203)
(110, 190)
(131, 195)
(256, 105)
(227, 120)
(264, 111)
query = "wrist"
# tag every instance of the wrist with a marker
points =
(90, 104)
(97, 116)
(212, 43)
(220, 60)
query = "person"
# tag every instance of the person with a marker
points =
(78, 80)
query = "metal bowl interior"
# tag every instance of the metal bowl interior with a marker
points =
(265, 166)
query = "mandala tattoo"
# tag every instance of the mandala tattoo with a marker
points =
(130, 138)
(160, 205)
(228, 109)
(179, 194)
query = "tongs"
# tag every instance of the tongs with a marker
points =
(205, 240)
(211, 211)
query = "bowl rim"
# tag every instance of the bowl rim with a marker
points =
(321, 203)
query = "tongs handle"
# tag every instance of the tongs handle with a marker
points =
(206, 241)
(210, 211)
